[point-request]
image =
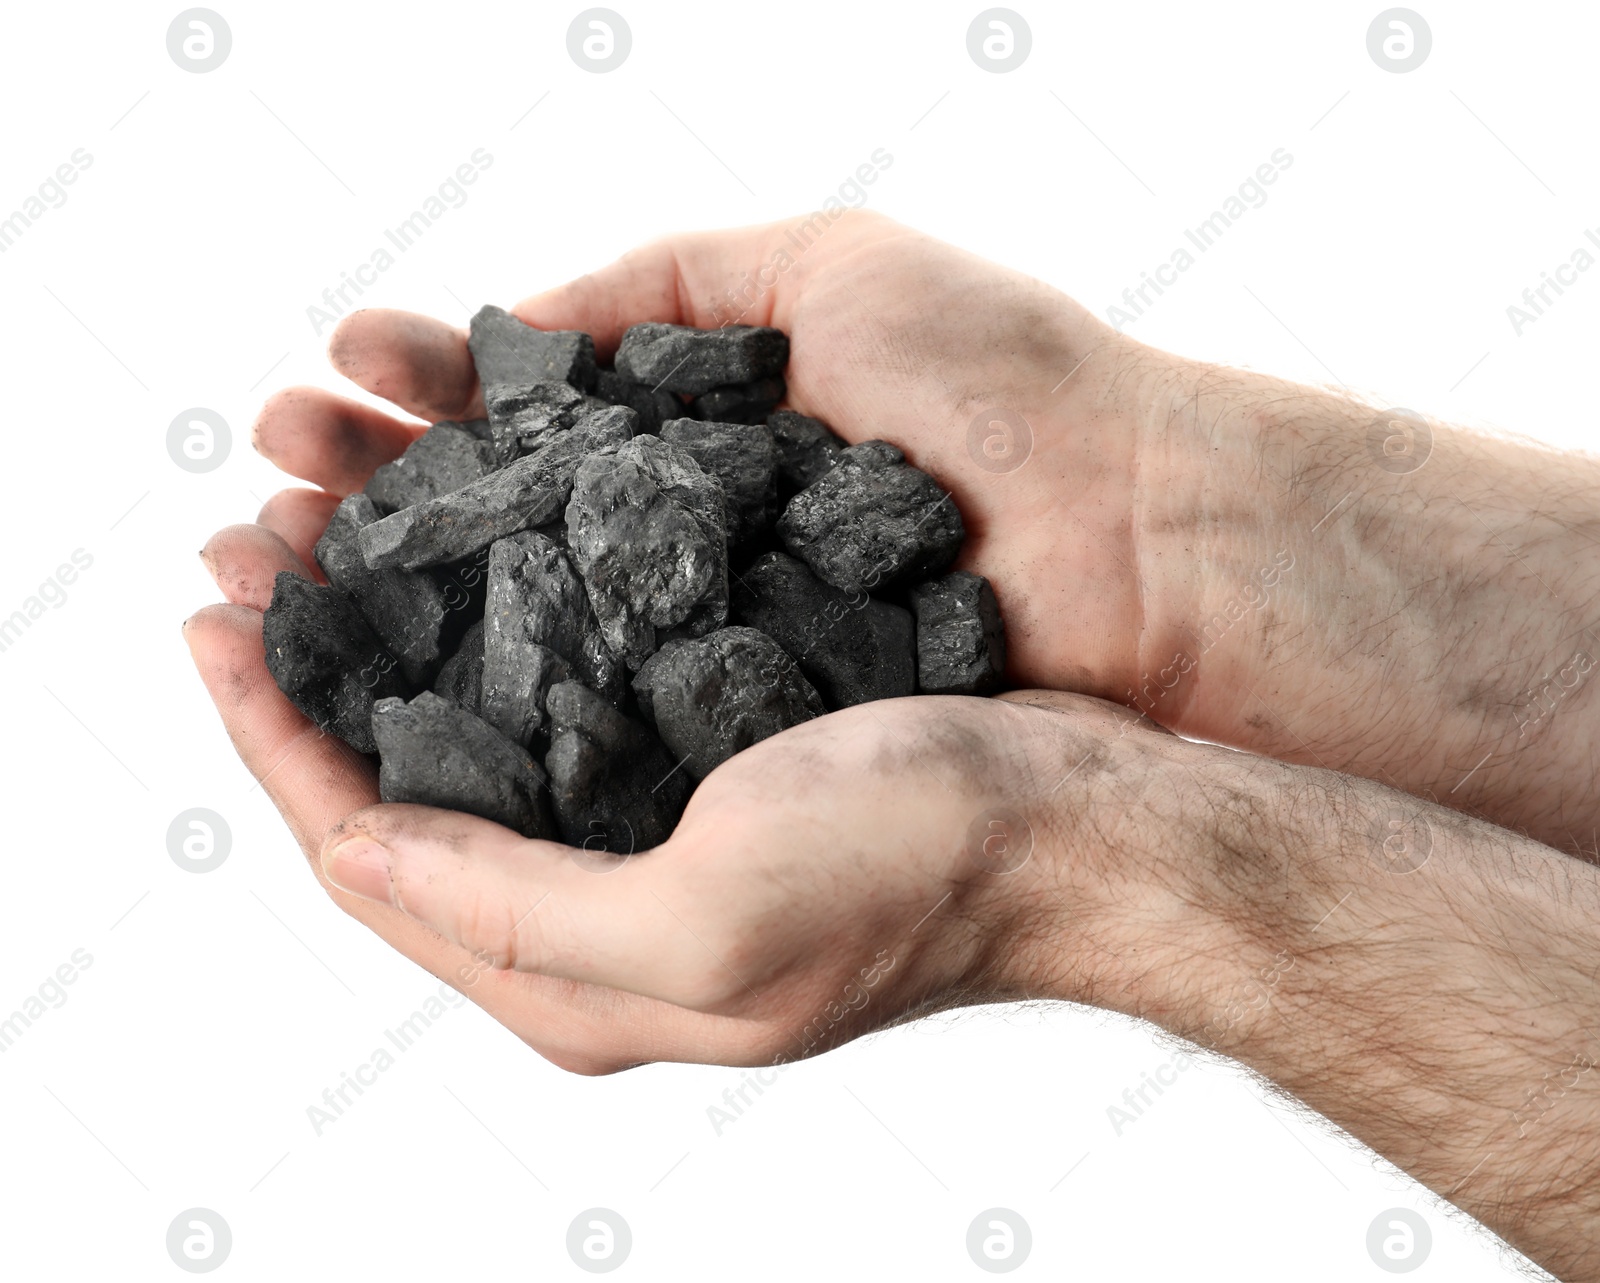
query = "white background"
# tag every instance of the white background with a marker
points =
(178, 273)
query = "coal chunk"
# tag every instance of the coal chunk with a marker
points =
(613, 422)
(851, 647)
(405, 608)
(326, 658)
(653, 407)
(444, 458)
(713, 696)
(434, 753)
(806, 448)
(676, 358)
(460, 680)
(743, 458)
(613, 784)
(961, 639)
(529, 492)
(647, 533)
(740, 402)
(506, 350)
(540, 630)
(532, 584)
(513, 698)
(522, 416)
(544, 403)
(871, 521)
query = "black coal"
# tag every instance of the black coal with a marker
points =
(562, 616)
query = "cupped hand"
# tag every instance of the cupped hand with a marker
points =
(892, 858)
(894, 335)
(1235, 556)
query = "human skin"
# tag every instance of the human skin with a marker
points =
(1427, 632)
(1442, 973)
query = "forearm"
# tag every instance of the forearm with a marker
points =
(1392, 597)
(1445, 1015)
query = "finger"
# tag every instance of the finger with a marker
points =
(529, 905)
(245, 561)
(330, 440)
(420, 364)
(299, 518)
(315, 779)
(705, 279)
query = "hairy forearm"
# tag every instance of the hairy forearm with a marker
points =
(1445, 1009)
(1376, 593)
(1422, 979)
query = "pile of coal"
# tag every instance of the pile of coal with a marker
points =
(563, 616)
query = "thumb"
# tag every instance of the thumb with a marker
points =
(535, 906)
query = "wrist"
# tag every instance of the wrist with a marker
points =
(1122, 904)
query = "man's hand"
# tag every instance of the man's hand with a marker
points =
(820, 884)
(1231, 554)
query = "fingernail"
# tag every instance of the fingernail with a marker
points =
(361, 867)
